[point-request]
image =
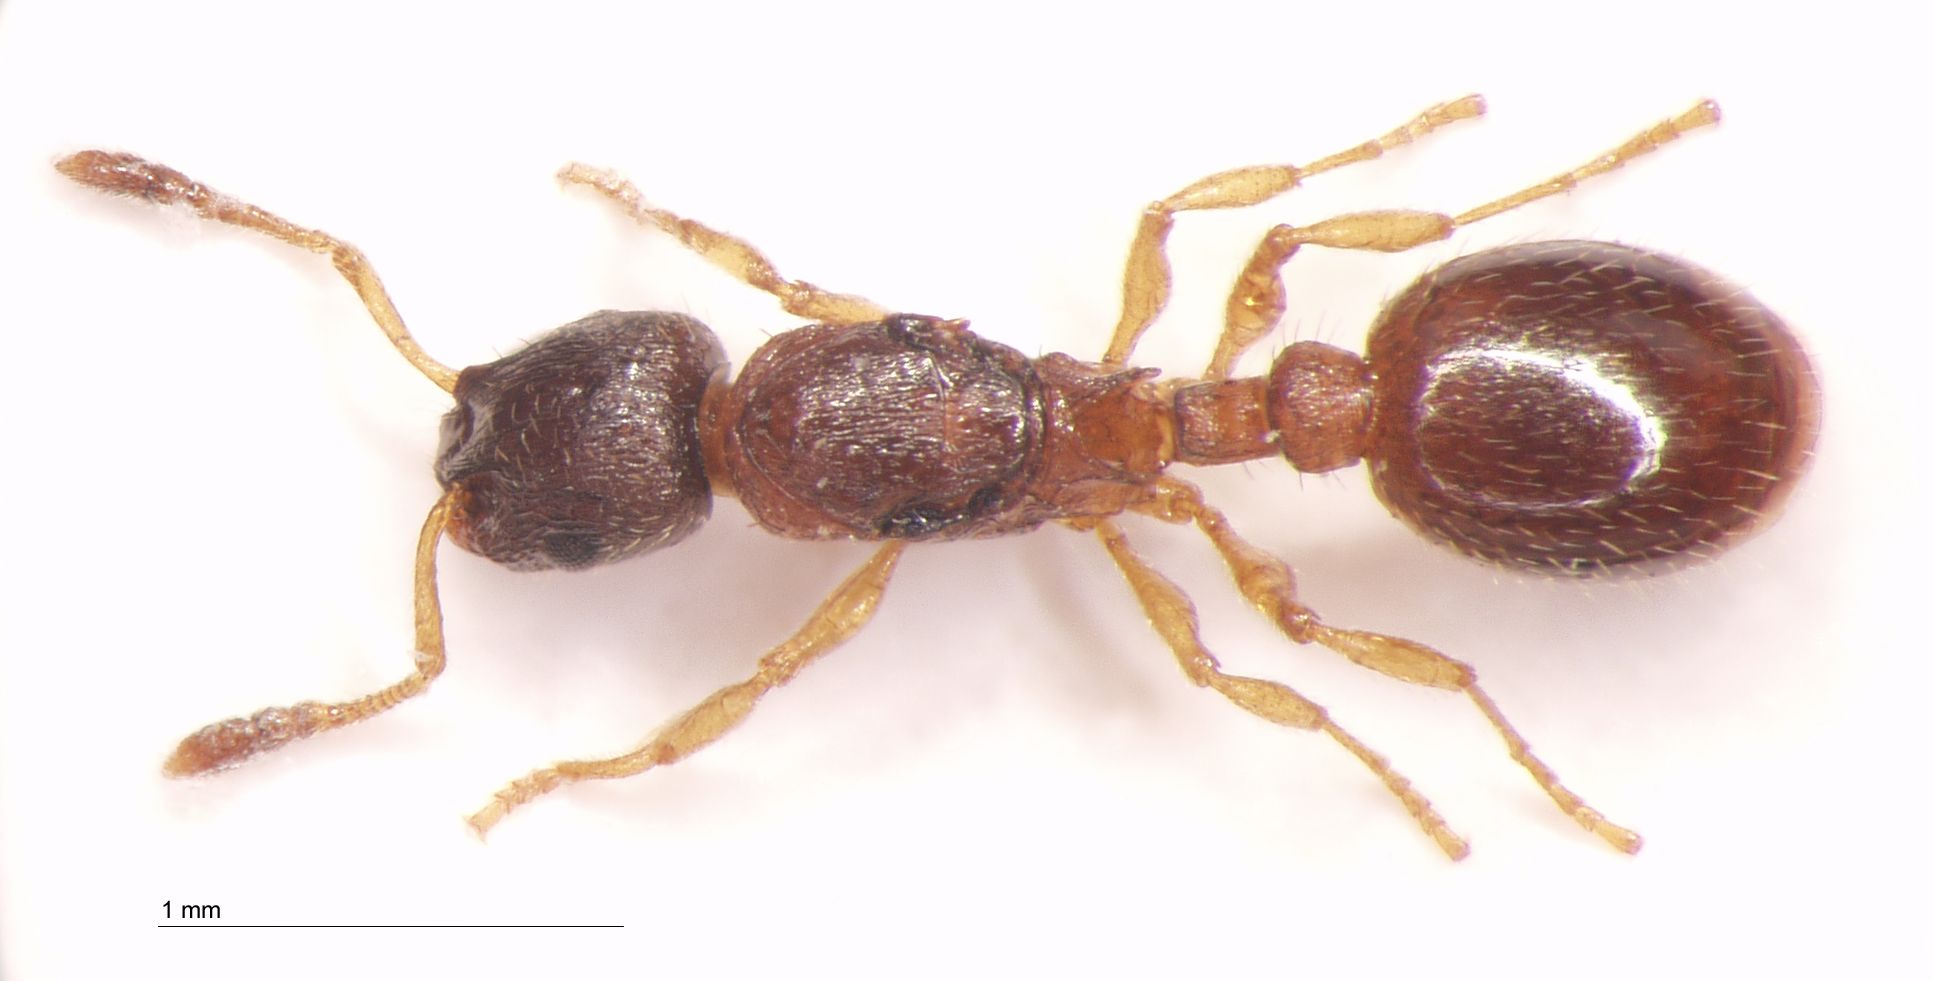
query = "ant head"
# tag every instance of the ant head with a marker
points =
(583, 447)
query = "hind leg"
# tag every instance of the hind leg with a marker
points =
(1266, 582)
(1256, 303)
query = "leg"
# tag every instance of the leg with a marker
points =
(1144, 290)
(1267, 583)
(122, 173)
(728, 252)
(1255, 305)
(225, 744)
(1174, 618)
(837, 619)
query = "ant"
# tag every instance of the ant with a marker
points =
(1573, 407)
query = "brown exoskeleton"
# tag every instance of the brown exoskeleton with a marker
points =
(1568, 406)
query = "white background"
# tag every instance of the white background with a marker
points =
(216, 468)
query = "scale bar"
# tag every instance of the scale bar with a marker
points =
(390, 926)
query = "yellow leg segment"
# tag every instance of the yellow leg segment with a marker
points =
(1146, 283)
(1266, 582)
(837, 619)
(734, 255)
(1173, 617)
(1256, 303)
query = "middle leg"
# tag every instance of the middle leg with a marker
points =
(1145, 285)
(1173, 617)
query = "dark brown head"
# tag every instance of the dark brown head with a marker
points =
(583, 447)
(1571, 406)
